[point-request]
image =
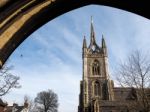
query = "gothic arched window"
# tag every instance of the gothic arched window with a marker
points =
(105, 92)
(96, 89)
(96, 68)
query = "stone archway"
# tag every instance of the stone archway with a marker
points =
(20, 18)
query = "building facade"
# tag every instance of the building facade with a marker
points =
(97, 91)
(15, 108)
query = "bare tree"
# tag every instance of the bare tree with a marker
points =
(135, 73)
(47, 101)
(8, 81)
(30, 103)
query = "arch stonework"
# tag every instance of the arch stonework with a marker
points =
(18, 19)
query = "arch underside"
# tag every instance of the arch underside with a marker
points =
(21, 18)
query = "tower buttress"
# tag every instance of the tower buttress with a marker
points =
(85, 77)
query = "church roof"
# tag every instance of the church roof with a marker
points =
(125, 93)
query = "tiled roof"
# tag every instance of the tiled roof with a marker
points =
(2, 103)
(17, 108)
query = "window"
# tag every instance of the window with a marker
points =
(96, 68)
(105, 92)
(96, 89)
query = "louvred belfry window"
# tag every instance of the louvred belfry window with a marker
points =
(96, 68)
(96, 89)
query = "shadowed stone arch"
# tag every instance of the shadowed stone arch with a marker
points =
(19, 18)
(96, 88)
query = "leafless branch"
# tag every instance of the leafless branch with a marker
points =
(135, 72)
(8, 81)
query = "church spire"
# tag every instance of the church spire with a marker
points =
(84, 43)
(92, 41)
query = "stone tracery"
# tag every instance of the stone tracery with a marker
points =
(96, 68)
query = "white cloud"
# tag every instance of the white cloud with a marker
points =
(52, 59)
(63, 81)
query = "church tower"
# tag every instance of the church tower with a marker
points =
(95, 85)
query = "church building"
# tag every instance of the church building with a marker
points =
(97, 91)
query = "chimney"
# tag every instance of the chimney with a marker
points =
(26, 104)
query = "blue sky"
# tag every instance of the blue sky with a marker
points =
(52, 55)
